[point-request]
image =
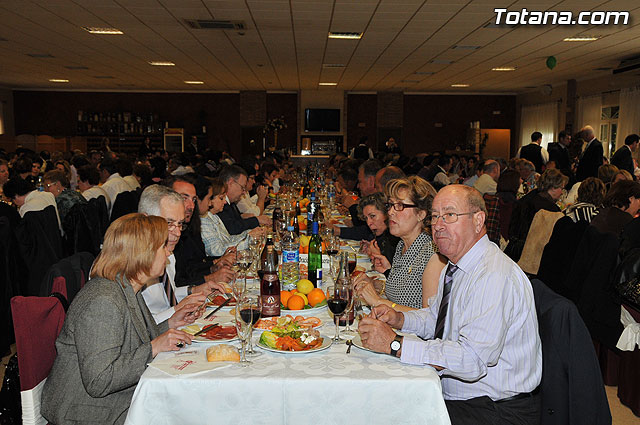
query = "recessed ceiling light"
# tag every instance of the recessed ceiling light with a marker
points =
(108, 31)
(442, 61)
(504, 68)
(58, 80)
(161, 63)
(458, 47)
(581, 38)
(460, 85)
(327, 84)
(333, 65)
(345, 35)
(194, 82)
(75, 67)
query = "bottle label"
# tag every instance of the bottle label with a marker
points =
(271, 305)
(318, 278)
(290, 256)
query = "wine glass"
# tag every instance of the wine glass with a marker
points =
(353, 261)
(238, 287)
(243, 262)
(250, 308)
(337, 302)
(255, 246)
(333, 247)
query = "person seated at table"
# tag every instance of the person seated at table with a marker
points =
(481, 331)
(367, 172)
(109, 336)
(252, 202)
(193, 265)
(408, 283)
(215, 236)
(544, 197)
(372, 210)
(56, 183)
(621, 205)
(591, 193)
(235, 180)
(622, 175)
(167, 294)
(24, 195)
(88, 181)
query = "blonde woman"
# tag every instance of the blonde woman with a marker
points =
(412, 277)
(109, 335)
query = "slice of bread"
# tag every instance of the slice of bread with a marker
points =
(223, 353)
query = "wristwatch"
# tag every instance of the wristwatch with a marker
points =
(395, 345)
(190, 289)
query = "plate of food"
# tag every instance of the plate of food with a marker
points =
(218, 300)
(306, 310)
(268, 323)
(223, 333)
(293, 339)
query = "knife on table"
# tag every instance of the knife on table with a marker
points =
(205, 329)
(218, 308)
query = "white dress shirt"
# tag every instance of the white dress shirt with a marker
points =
(131, 181)
(96, 192)
(37, 201)
(247, 204)
(490, 345)
(441, 177)
(114, 186)
(156, 298)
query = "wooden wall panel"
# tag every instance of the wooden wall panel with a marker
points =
(362, 119)
(286, 105)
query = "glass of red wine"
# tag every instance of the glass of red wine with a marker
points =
(248, 312)
(337, 302)
(353, 261)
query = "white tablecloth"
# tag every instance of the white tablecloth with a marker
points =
(327, 387)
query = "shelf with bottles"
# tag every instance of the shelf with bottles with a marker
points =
(124, 144)
(118, 124)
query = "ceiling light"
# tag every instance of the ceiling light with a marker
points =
(96, 30)
(327, 84)
(194, 82)
(58, 80)
(460, 85)
(504, 68)
(582, 38)
(161, 63)
(346, 35)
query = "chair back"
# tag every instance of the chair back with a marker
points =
(572, 390)
(40, 243)
(98, 207)
(125, 203)
(82, 230)
(12, 278)
(37, 322)
(68, 276)
(538, 236)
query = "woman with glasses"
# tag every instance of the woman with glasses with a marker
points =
(214, 234)
(410, 282)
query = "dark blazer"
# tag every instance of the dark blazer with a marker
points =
(103, 349)
(533, 152)
(611, 220)
(590, 161)
(192, 262)
(572, 389)
(623, 159)
(233, 221)
(560, 155)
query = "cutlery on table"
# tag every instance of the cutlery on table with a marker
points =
(205, 329)
(349, 344)
(218, 308)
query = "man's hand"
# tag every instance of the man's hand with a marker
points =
(228, 259)
(208, 287)
(386, 314)
(264, 220)
(223, 274)
(376, 335)
(262, 191)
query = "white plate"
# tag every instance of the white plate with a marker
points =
(358, 343)
(304, 312)
(315, 327)
(326, 343)
(200, 338)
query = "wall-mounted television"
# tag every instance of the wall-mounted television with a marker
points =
(321, 120)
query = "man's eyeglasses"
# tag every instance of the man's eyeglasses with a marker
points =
(176, 225)
(398, 206)
(244, 188)
(450, 217)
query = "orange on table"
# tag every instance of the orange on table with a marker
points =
(295, 302)
(315, 296)
(284, 297)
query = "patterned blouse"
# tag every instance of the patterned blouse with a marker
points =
(217, 239)
(404, 284)
(66, 200)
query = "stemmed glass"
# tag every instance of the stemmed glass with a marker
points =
(238, 287)
(333, 248)
(353, 261)
(337, 302)
(255, 246)
(248, 312)
(243, 262)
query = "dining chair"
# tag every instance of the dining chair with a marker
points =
(125, 203)
(629, 372)
(68, 276)
(37, 322)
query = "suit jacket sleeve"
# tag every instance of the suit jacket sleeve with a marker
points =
(104, 368)
(235, 224)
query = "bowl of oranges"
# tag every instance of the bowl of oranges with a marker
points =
(305, 299)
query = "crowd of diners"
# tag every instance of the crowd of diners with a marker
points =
(446, 230)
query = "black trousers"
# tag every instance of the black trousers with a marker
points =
(483, 410)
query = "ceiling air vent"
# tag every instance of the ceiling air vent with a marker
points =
(209, 24)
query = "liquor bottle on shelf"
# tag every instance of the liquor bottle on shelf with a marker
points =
(270, 284)
(315, 257)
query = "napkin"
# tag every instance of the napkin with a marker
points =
(631, 334)
(187, 363)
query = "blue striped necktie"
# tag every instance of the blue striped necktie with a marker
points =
(446, 292)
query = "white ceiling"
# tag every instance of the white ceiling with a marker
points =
(285, 45)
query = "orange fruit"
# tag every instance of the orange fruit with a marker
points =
(315, 296)
(284, 297)
(295, 303)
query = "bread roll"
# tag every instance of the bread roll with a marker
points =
(223, 353)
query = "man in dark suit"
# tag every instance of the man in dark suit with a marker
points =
(591, 157)
(559, 153)
(534, 152)
(623, 157)
(235, 180)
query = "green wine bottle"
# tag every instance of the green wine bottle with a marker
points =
(315, 257)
